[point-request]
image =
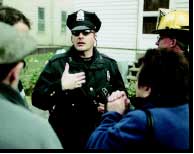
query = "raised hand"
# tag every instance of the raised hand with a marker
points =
(118, 102)
(72, 81)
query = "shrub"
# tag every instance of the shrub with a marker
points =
(34, 66)
(131, 88)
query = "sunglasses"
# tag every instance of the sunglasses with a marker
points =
(84, 32)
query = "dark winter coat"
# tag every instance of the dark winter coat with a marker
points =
(73, 113)
(21, 129)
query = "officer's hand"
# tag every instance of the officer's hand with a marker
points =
(72, 81)
(118, 102)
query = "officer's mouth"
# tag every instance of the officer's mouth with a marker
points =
(80, 43)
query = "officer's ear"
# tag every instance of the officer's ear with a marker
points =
(95, 36)
(173, 43)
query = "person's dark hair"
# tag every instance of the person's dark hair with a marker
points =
(167, 73)
(12, 16)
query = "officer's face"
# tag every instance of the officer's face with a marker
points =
(83, 40)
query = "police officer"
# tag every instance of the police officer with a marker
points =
(173, 30)
(74, 85)
(19, 128)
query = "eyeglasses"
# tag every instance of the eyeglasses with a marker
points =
(84, 32)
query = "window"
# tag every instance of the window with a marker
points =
(153, 5)
(150, 14)
(41, 19)
(63, 21)
(1, 2)
(149, 24)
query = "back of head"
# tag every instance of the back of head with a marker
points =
(11, 16)
(14, 47)
(174, 24)
(83, 20)
(167, 73)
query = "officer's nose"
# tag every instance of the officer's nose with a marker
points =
(80, 34)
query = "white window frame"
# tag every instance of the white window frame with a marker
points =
(145, 41)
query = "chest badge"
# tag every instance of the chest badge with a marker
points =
(108, 75)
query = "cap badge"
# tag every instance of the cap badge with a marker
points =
(80, 15)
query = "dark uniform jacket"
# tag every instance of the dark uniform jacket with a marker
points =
(21, 129)
(73, 113)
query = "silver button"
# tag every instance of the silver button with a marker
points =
(51, 94)
(91, 89)
(73, 104)
(94, 101)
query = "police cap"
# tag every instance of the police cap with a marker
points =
(14, 45)
(82, 20)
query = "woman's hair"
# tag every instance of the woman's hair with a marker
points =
(12, 16)
(167, 74)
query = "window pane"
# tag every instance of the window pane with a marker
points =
(41, 13)
(153, 5)
(149, 24)
(63, 21)
(41, 20)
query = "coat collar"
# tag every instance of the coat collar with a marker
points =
(12, 95)
(75, 60)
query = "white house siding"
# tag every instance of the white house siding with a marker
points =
(121, 31)
(181, 4)
(60, 38)
(30, 9)
(52, 35)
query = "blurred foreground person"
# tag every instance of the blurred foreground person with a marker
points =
(17, 19)
(19, 128)
(160, 121)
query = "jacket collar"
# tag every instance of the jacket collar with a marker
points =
(75, 59)
(12, 95)
(144, 103)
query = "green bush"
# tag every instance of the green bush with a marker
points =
(131, 88)
(34, 66)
